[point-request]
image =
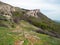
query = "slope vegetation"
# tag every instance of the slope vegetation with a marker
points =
(26, 27)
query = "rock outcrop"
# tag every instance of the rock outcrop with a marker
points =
(5, 10)
(33, 13)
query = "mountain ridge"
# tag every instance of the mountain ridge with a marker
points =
(15, 14)
(20, 26)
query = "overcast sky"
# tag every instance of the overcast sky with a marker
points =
(50, 8)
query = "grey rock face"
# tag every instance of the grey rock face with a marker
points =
(5, 10)
(33, 13)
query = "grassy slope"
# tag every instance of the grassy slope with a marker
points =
(24, 35)
(44, 24)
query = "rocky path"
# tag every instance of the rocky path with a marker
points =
(31, 38)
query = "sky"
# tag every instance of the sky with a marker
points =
(51, 8)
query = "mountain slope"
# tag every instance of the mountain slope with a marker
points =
(23, 35)
(26, 27)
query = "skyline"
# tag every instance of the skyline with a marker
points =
(50, 8)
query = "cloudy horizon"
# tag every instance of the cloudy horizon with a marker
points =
(50, 8)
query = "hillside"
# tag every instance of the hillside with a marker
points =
(26, 27)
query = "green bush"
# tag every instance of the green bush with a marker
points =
(39, 23)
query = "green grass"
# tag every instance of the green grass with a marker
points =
(27, 26)
(47, 40)
(25, 42)
(5, 38)
(8, 38)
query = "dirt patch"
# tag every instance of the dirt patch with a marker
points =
(19, 42)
